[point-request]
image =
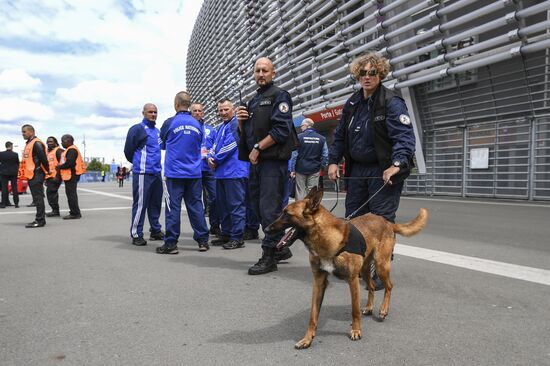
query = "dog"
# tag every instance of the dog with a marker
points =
(335, 247)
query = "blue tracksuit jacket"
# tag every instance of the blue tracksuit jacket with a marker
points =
(142, 148)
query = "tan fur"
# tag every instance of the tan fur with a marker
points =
(326, 235)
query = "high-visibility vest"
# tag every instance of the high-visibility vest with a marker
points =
(79, 169)
(26, 168)
(53, 163)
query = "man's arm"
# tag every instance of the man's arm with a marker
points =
(136, 139)
(40, 151)
(70, 160)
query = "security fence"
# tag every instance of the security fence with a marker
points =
(474, 73)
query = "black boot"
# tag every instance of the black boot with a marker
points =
(283, 254)
(266, 264)
(222, 239)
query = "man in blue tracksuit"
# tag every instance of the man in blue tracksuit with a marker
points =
(142, 149)
(376, 138)
(306, 162)
(182, 138)
(231, 179)
(208, 178)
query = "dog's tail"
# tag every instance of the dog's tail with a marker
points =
(413, 227)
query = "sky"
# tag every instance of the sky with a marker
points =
(86, 68)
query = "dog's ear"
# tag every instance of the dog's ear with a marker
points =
(315, 196)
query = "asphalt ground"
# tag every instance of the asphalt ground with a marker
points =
(78, 293)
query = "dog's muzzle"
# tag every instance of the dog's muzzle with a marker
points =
(290, 237)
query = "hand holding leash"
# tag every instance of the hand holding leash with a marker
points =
(390, 172)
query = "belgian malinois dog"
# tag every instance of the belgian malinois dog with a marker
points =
(331, 242)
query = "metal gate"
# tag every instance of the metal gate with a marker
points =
(518, 161)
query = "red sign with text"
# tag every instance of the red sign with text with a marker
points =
(327, 114)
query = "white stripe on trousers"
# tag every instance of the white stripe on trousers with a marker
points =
(135, 223)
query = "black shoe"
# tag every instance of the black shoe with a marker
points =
(203, 246)
(266, 264)
(283, 254)
(167, 250)
(250, 235)
(16, 206)
(215, 231)
(233, 244)
(53, 214)
(139, 242)
(2, 206)
(220, 241)
(156, 236)
(32, 205)
(72, 217)
(35, 224)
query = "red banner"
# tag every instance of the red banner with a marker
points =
(327, 114)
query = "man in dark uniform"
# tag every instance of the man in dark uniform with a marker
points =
(308, 159)
(53, 182)
(267, 140)
(34, 168)
(9, 166)
(376, 138)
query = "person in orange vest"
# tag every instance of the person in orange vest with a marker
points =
(53, 180)
(71, 167)
(34, 168)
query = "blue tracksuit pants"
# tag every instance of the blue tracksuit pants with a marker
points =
(384, 204)
(147, 194)
(190, 190)
(209, 183)
(232, 207)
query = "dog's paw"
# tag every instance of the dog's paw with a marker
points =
(382, 315)
(367, 312)
(355, 335)
(303, 344)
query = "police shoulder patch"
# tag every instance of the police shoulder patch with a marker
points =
(404, 119)
(283, 107)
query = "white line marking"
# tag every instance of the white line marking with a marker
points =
(67, 210)
(105, 194)
(516, 271)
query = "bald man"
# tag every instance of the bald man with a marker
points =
(267, 138)
(142, 149)
(308, 159)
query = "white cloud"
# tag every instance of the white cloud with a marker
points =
(97, 62)
(15, 109)
(17, 80)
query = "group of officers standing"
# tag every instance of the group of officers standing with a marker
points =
(244, 164)
(50, 166)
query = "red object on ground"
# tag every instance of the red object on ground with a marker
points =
(22, 185)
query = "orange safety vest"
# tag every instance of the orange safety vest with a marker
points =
(79, 169)
(26, 168)
(52, 162)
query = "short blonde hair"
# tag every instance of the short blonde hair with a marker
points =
(380, 63)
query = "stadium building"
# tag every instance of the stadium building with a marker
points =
(474, 75)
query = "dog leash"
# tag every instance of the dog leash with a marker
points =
(337, 187)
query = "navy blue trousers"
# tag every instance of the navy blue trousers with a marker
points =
(384, 204)
(147, 194)
(266, 183)
(232, 207)
(190, 190)
(209, 183)
(252, 220)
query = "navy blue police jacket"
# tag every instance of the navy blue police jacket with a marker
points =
(312, 153)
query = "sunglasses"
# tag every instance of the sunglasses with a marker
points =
(371, 72)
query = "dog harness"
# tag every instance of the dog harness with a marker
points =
(356, 242)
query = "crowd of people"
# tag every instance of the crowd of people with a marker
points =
(43, 165)
(236, 174)
(242, 167)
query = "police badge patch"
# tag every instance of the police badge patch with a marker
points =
(405, 119)
(283, 107)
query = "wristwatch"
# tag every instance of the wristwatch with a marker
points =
(397, 164)
(257, 146)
